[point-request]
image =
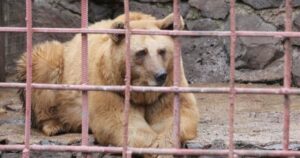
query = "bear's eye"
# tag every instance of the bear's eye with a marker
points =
(141, 54)
(162, 52)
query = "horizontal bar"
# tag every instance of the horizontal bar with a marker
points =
(12, 147)
(89, 149)
(134, 150)
(64, 87)
(277, 91)
(267, 153)
(12, 29)
(154, 32)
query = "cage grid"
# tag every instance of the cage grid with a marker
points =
(126, 151)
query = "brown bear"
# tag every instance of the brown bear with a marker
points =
(150, 118)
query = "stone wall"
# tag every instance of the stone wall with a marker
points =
(206, 59)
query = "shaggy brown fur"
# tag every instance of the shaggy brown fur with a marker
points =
(150, 120)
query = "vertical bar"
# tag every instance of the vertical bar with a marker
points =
(287, 74)
(2, 44)
(232, 78)
(129, 154)
(176, 76)
(84, 76)
(127, 80)
(26, 151)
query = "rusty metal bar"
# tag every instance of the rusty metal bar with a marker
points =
(232, 78)
(2, 44)
(267, 153)
(26, 151)
(12, 147)
(168, 151)
(127, 80)
(84, 76)
(129, 154)
(287, 74)
(219, 90)
(176, 76)
(155, 32)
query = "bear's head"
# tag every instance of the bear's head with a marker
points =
(151, 55)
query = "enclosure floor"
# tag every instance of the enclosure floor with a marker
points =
(258, 121)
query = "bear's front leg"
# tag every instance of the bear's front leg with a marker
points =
(107, 119)
(160, 117)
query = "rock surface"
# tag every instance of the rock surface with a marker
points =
(216, 9)
(203, 25)
(205, 59)
(57, 18)
(258, 4)
(257, 58)
(265, 4)
(252, 22)
(203, 63)
(296, 67)
(160, 1)
(272, 73)
(159, 11)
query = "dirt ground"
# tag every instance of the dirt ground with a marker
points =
(258, 121)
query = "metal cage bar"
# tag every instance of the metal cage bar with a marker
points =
(116, 150)
(232, 93)
(84, 76)
(287, 74)
(277, 34)
(127, 80)
(176, 76)
(26, 150)
(127, 151)
(218, 90)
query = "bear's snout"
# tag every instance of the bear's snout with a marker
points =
(160, 77)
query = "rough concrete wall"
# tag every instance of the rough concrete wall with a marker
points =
(206, 59)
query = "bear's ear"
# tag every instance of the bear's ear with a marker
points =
(117, 38)
(167, 22)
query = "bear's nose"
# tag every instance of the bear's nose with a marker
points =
(160, 77)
